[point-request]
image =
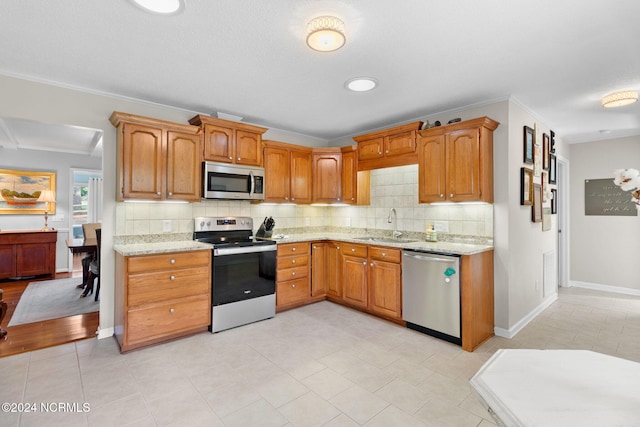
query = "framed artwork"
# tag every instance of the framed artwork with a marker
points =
(536, 209)
(526, 186)
(19, 191)
(546, 219)
(552, 169)
(546, 150)
(553, 141)
(537, 152)
(529, 142)
(554, 201)
(543, 184)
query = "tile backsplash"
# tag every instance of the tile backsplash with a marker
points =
(395, 187)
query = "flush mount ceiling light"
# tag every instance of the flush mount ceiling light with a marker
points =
(161, 7)
(326, 34)
(361, 84)
(620, 99)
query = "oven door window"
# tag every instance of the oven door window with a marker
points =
(228, 183)
(243, 276)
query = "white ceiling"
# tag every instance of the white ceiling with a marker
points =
(249, 58)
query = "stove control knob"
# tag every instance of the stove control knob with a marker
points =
(201, 223)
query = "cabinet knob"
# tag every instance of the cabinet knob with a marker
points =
(384, 254)
(353, 250)
(238, 159)
(293, 286)
(337, 248)
(172, 277)
(292, 199)
(293, 261)
(172, 261)
(371, 264)
(293, 249)
(364, 263)
(286, 198)
(315, 247)
(158, 193)
(171, 310)
(338, 199)
(379, 152)
(353, 198)
(293, 273)
(230, 158)
(451, 195)
(386, 151)
(170, 193)
(441, 195)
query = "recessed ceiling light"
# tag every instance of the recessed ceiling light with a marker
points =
(620, 99)
(361, 84)
(162, 7)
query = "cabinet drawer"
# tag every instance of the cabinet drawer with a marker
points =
(354, 250)
(385, 254)
(173, 260)
(292, 261)
(291, 291)
(293, 249)
(292, 273)
(146, 324)
(148, 288)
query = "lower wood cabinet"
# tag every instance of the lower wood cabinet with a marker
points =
(293, 285)
(385, 281)
(27, 253)
(162, 296)
(354, 274)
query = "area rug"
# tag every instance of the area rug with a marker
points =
(52, 299)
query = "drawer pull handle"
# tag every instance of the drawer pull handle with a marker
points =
(172, 277)
(293, 261)
(364, 263)
(247, 292)
(293, 273)
(173, 261)
(371, 264)
(293, 286)
(384, 254)
(230, 158)
(171, 310)
(293, 249)
(353, 250)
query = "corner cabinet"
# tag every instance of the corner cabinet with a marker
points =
(388, 147)
(455, 162)
(288, 173)
(327, 175)
(27, 253)
(356, 185)
(230, 142)
(159, 297)
(157, 159)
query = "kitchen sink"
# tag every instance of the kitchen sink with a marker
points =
(384, 240)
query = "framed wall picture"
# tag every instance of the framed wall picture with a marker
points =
(546, 219)
(529, 142)
(543, 184)
(552, 136)
(19, 192)
(536, 209)
(554, 201)
(537, 151)
(552, 169)
(526, 186)
(546, 150)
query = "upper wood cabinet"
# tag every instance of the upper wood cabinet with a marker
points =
(230, 142)
(455, 162)
(288, 173)
(356, 185)
(388, 147)
(327, 175)
(157, 159)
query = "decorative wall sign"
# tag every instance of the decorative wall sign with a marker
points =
(19, 191)
(603, 197)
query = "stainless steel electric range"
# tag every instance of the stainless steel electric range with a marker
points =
(243, 271)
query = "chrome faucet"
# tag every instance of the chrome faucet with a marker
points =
(396, 233)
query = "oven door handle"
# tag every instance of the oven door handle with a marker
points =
(243, 250)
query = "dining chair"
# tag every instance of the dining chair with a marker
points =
(94, 269)
(89, 232)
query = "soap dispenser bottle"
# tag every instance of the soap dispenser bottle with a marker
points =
(432, 234)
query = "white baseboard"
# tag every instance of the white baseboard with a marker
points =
(605, 288)
(511, 332)
(105, 333)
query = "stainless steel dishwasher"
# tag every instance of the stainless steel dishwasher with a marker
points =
(431, 294)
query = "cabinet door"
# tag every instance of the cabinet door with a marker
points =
(218, 144)
(327, 171)
(333, 270)
(143, 157)
(183, 166)
(431, 169)
(319, 271)
(276, 164)
(385, 288)
(354, 280)
(248, 148)
(371, 149)
(301, 177)
(463, 165)
(400, 143)
(7, 261)
(33, 259)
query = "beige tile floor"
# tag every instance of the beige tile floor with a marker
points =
(319, 365)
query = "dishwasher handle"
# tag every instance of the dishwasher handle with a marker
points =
(427, 257)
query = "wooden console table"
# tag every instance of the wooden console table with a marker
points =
(27, 253)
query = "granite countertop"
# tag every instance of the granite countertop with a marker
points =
(441, 247)
(160, 247)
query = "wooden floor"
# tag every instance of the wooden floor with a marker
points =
(47, 333)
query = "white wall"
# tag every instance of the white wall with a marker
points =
(47, 161)
(604, 249)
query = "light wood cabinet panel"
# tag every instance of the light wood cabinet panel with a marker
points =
(354, 280)
(293, 281)
(157, 159)
(388, 147)
(455, 162)
(334, 270)
(288, 173)
(356, 185)
(230, 142)
(327, 176)
(385, 287)
(161, 297)
(27, 253)
(319, 273)
(477, 299)
(292, 292)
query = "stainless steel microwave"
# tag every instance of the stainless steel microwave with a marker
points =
(235, 182)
